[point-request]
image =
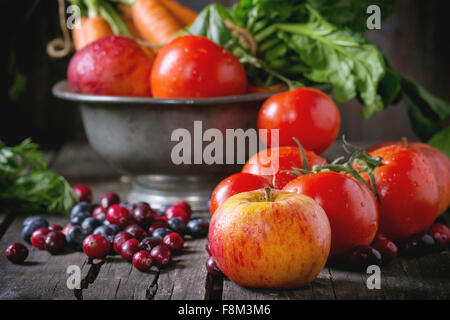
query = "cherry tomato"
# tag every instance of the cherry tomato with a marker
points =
(408, 191)
(305, 113)
(271, 162)
(350, 206)
(196, 67)
(440, 163)
(237, 183)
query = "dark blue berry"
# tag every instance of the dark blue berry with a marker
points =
(177, 225)
(82, 207)
(105, 231)
(198, 228)
(162, 210)
(90, 224)
(31, 224)
(37, 220)
(160, 233)
(78, 218)
(75, 237)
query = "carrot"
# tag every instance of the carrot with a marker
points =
(154, 21)
(185, 15)
(90, 30)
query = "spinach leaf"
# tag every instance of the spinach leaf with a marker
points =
(441, 140)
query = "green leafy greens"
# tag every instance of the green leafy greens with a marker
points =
(319, 42)
(28, 185)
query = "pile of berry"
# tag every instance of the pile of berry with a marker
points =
(138, 233)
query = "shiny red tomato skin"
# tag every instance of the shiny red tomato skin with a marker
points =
(305, 113)
(350, 206)
(196, 67)
(288, 158)
(237, 183)
(408, 191)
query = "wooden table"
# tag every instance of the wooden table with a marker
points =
(44, 275)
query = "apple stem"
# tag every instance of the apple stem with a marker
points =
(404, 142)
(267, 194)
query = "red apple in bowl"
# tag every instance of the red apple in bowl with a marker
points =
(270, 239)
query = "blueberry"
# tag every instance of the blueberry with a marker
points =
(75, 237)
(160, 233)
(198, 228)
(82, 207)
(177, 225)
(31, 224)
(78, 218)
(116, 229)
(105, 231)
(162, 210)
(89, 224)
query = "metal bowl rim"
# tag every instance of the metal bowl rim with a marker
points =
(62, 90)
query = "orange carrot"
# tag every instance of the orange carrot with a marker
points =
(154, 21)
(90, 29)
(182, 13)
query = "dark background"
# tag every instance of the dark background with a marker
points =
(415, 39)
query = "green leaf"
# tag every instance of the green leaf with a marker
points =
(441, 141)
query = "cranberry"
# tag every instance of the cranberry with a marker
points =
(136, 231)
(96, 246)
(129, 248)
(208, 249)
(149, 243)
(144, 215)
(185, 205)
(16, 253)
(119, 239)
(38, 238)
(82, 192)
(142, 260)
(156, 225)
(66, 229)
(440, 233)
(174, 241)
(387, 248)
(363, 256)
(161, 255)
(212, 267)
(55, 241)
(119, 215)
(419, 244)
(55, 227)
(108, 199)
(99, 213)
(177, 212)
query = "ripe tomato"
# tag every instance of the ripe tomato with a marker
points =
(305, 113)
(196, 67)
(441, 166)
(237, 183)
(284, 158)
(350, 206)
(408, 190)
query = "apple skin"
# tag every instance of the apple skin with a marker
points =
(282, 243)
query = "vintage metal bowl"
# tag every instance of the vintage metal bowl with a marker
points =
(134, 135)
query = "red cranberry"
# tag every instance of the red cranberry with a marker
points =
(136, 231)
(208, 249)
(119, 215)
(96, 246)
(174, 241)
(387, 248)
(119, 239)
(440, 233)
(129, 248)
(55, 227)
(82, 192)
(161, 255)
(142, 260)
(55, 241)
(363, 256)
(38, 238)
(99, 213)
(149, 243)
(419, 244)
(212, 267)
(16, 253)
(156, 225)
(66, 229)
(185, 205)
(108, 199)
(177, 212)
(144, 215)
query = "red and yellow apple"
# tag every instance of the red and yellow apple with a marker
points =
(270, 239)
